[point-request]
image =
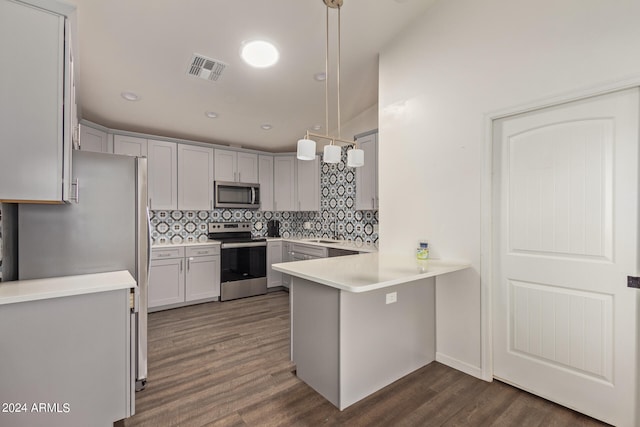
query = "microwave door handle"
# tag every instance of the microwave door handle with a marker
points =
(253, 195)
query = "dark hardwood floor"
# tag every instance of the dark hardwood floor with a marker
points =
(227, 364)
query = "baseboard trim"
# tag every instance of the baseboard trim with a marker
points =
(474, 371)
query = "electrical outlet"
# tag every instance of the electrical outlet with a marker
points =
(391, 297)
(375, 228)
(307, 225)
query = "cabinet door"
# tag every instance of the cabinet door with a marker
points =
(93, 140)
(202, 278)
(265, 179)
(162, 175)
(274, 256)
(286, 257)
(166, 282)
(308, 184)
(195, 178)
(130, 146)
(367, 175)
(225, 165)
(284, 183)
(32, 141)
(247, 167)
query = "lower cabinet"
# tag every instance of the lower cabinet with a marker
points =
(181, 275)
(274, 256)
(286, 257)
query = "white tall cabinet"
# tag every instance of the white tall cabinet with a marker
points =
(284, 178)
(367, 175)
(35, 104)
(162, 175)
(265, 179)
(236, 166)
(308, 184)
(195, 178)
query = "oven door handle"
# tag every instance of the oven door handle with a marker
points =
(243, 245)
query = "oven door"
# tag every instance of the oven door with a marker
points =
(243, 270)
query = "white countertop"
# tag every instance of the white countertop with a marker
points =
(55, 287)
(367, 272)
(170, 245)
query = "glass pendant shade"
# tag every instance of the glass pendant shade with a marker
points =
(332, 154)
(355, 158)
(306, 149)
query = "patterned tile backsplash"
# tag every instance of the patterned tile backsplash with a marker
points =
(337, 217)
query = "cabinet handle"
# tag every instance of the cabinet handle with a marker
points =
(189, 263)
(181, 266)
(211, 203)
(162, 255)
(150, 200)
(202, 252)
(239, 177)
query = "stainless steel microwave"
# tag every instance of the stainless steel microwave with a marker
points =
(237, 195)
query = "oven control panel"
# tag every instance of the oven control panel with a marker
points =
(229, 227)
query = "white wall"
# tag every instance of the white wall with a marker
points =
(459, 62)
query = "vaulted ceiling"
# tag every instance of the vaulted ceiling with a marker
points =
(146, 46)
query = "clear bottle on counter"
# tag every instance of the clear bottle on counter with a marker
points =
(422, 252)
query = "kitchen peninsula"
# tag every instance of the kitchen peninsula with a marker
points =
(360, 322)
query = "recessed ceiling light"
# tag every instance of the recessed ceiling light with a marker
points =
(130, 96)
(317, 127)
(259, 54)
(320, 76)
(266, 126)
(211, 114)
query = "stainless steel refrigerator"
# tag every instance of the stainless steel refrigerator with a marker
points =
(105, 229)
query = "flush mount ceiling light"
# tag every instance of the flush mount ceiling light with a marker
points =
(130, 96)
(259, 53)
(211, 114)
(332, 152)
(266, 126)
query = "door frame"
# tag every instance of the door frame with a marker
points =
(486, 204)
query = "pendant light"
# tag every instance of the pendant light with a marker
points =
(332, 153)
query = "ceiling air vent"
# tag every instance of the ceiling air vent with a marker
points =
(206, 68)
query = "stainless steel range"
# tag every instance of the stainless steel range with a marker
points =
(243, 271)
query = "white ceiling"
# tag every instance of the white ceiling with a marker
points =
(145, 46)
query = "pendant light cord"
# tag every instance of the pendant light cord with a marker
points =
(326, 79)
(338, 74)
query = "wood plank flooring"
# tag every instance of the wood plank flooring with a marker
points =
(227, 364)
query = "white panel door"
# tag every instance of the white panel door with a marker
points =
(367, 175)
(265, 179)
(93, 140)
(284, 174)
(247, 167)
(203, 277)
(274, 256)
(166, 282)
(565, 239)
(195, 178)
(225, 165)
(163, 175)
(129, 145)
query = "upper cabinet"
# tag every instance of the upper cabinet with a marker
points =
(36, 105)
(367, 175)
(94, 140)
(236, 166)
(162, 182)
(284, 178)
(130, 145)
(265, 179)
(308, 184)
(195, 178)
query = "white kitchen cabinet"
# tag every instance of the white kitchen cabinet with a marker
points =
(195, 177)
(130, 145)
(265, 179)
(162, 179)
(367, 175)
(284, 178)
(35, 104)
(92, 139)
(182, 275)
(274, 256)
(236, 166)
(308, 184)
(166, 282)
(202, 277)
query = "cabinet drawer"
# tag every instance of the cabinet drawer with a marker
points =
(314, 251)
(203, 250)
(165, 253)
